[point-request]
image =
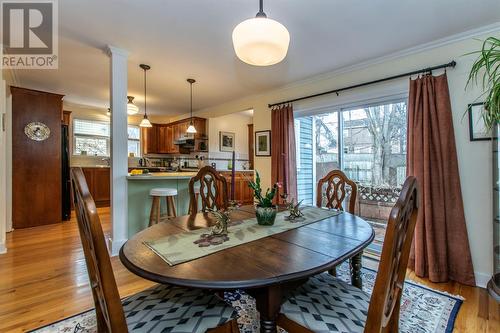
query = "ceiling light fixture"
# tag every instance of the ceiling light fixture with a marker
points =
(261, 41)
(145, 121)
(131, 107)
(191, 129)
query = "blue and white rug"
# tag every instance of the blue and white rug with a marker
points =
(423, 310)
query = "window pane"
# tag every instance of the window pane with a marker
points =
(94, 146)
(90, 127)
(133, 132)
(134, 147)
(374, 150)
(327, 143)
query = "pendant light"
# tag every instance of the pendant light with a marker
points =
(131, 107)
(261, 41)
(191, 129)
(145, 121)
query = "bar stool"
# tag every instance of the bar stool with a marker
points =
(196, 197)
(157, 194)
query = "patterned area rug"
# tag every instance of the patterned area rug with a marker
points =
(423, 310)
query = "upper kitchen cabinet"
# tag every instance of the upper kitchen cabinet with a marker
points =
(150, 138)
(162, 138)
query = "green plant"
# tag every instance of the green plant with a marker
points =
(267, 199)
(487, 69)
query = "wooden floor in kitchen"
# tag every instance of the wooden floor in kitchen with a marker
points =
(43, 279)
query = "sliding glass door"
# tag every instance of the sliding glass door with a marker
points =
(369, 144)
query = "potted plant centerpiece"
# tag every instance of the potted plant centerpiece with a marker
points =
(486, 70)
(265, 210)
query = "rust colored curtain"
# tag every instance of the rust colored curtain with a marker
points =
(284, 163)
(440, 249)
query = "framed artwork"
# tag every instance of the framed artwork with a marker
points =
(226, 141)
(263, 143)
(477, 127)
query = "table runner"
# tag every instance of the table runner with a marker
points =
(179, 248)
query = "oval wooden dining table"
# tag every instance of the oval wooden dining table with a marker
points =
(266, 268)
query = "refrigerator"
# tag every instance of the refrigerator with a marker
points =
(66, 181)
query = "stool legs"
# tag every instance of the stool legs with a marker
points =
(171, 212)
(154, 216)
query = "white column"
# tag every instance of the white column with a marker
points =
(119, 150)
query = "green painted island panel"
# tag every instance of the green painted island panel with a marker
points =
(139, 200)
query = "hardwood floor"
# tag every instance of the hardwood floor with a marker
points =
(43, 279)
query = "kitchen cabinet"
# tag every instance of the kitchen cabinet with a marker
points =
(98, 181)
(161, 138)
(149, 140)
(243, 193)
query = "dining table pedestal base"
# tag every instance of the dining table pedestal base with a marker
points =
(355, 264)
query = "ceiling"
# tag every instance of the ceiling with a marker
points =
(192, 38)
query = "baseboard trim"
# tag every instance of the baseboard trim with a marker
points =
(3, 249)
(482, 279)
(115, 246)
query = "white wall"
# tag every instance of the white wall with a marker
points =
(474, 157)
(235, 123)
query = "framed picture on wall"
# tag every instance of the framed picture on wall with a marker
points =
(263, 143)
(226, 141)
(477, 128)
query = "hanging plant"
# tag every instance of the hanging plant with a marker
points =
(487, 70)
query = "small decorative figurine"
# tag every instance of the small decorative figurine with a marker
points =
(294, 210)
(223, 218)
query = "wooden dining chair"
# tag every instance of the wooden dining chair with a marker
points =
(332, 192)
(212, 191)
(338, 188)
(327, 304)
(161, 308)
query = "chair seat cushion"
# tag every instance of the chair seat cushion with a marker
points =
(163, 192)
(165, 308)
(327, 304)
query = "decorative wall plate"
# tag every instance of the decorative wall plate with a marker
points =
(37, 131)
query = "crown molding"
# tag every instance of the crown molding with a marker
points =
(491, 28)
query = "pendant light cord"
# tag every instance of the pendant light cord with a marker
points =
(145, 99)
(191, 84)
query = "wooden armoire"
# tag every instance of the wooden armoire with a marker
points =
(36, 161)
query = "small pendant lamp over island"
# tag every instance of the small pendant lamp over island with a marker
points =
(261, 41)
(191, 129)
(145, 121)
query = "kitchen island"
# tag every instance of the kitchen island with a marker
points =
(139, 200)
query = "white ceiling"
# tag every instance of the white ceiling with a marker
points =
(192, 38)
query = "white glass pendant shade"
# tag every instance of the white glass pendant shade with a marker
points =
(191, 129)
(261, 41)
(145, 122)
(131, 107)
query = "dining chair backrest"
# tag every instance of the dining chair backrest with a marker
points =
(337, 187)
(383, 311)
(213, 190)
(109, 311)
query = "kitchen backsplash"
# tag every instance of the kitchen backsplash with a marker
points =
(221, 159)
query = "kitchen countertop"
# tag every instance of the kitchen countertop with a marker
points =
(163, 175)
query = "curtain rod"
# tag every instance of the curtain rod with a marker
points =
(451, 64)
